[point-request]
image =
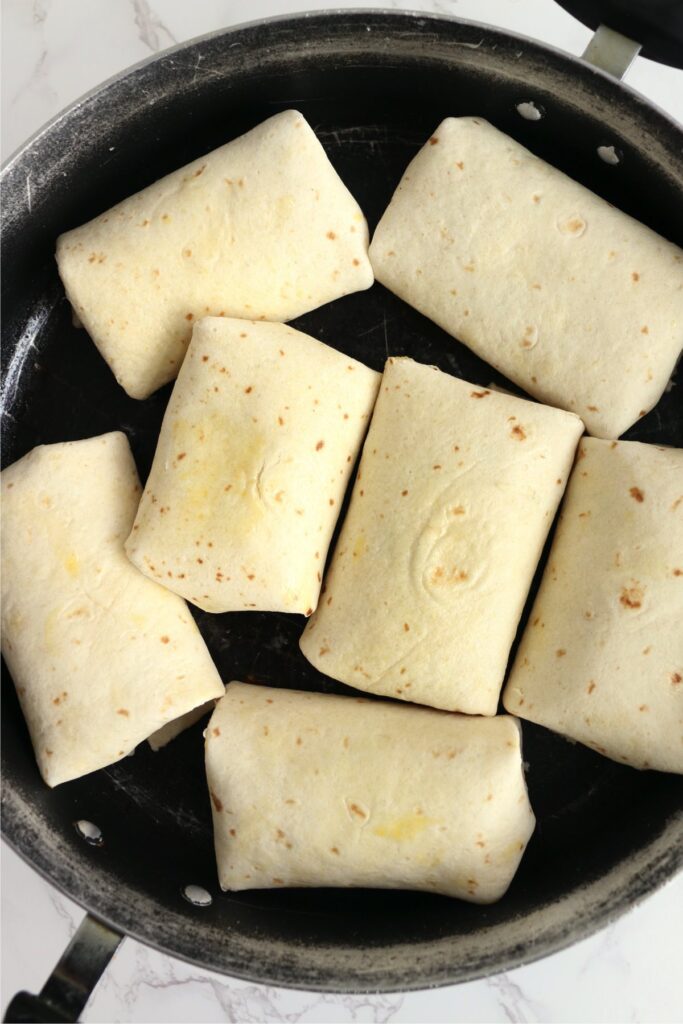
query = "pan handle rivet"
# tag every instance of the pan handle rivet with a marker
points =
(530, 111)
(197, 896)
(90, 832)
(610, 154)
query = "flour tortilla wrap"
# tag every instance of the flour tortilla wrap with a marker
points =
(601, 659)
(101, 657)
(309, 789)
(573, 300)
(455, 493)
(261, 228)
(256, 448)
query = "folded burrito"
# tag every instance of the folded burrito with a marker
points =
(573, 300)
(455, 493)
(101, 657)
(256, 448)
(314, 790)
(261, 228)
(601, 659)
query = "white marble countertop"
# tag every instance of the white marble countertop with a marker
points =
(52, 52)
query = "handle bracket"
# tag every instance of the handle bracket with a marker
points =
(611, 51)
(71, 984)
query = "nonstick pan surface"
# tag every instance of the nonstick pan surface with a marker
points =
(374, 85)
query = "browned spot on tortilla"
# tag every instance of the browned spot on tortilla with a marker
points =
(181, 455)
(355, 262)
(406, 627)
(216, 731)
(676, 678)
(518, 432)
(331, 235)
(644, 329)
(165, 639)
(479, 394)
(320, 444)
(249, 390)
(333, 849)
(678, 572)
(403, 494)
(560, 652)
(631, 597)
(123, 711)
(590, 687)
(358, 811)
(216, 802)
(635, 276)
(592, 408)
(323, 651)
(190, 316)
(643, 707)
(637, 494)
(433, 141)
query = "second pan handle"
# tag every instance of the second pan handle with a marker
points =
(611, 52)
(67, 990)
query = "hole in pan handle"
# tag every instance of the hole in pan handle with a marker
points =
(71, 984)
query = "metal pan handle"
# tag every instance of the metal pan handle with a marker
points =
(658, 24)
(611, 52)
(71, 984)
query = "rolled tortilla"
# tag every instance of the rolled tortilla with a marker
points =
(256, 448)
(314, 790)
(573, 300)
(101, 657)
(455, 493)
(601, 659)
(261, 228)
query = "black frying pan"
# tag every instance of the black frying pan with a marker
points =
(373, 85)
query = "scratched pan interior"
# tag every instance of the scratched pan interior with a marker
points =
(374, 86)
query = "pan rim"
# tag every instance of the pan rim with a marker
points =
(328, 13)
